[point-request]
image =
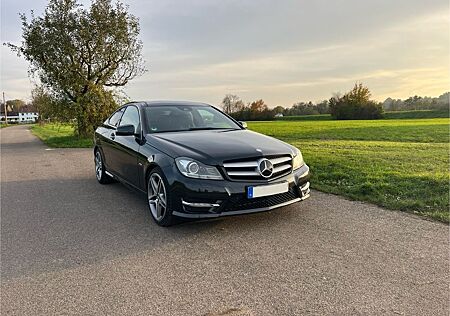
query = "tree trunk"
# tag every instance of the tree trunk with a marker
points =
(83, 130)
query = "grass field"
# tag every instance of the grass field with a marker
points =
(387, 115)
(61, 136)
(417, 114)
(399, 164)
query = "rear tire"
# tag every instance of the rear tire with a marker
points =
(158, 198)
(100, 171)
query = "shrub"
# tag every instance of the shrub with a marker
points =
(355, 105)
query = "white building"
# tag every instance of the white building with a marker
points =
(25, 117)
(28, 117)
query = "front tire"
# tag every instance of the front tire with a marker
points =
(158, 196)
(100, 172)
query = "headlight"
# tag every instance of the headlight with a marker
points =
(194, 169)
(297, 162)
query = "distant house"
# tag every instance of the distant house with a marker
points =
(20, 117)
(279, 115)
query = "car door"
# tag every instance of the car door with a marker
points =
(108, 136)
(126, 148)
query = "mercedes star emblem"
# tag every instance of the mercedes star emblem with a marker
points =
(265, 167)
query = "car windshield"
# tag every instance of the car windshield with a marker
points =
(176, 118)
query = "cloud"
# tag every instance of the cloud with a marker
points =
(282, 51)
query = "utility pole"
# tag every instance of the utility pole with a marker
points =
(6, 110)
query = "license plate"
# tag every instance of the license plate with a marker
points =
(266, 190)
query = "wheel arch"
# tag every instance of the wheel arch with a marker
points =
(150, 167)
(100, 149)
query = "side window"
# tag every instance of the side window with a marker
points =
(131, 117)
(115, 118)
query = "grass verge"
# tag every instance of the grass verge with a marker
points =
(398, 164)
(60, 136)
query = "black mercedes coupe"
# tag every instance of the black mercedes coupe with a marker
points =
(194, 161)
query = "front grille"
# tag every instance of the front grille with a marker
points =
(248, 169)
(241, 202)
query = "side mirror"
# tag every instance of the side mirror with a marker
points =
(243, 124)
(125, 130)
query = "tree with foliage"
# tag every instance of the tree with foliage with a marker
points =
(78, 53)
(258, 106)
(50, 108)
(256, 111)
(14, 105)
(323, 107)
(308, 108)
(259, 111)
(355, 104)
(28, 107)
(303, 108)
(279, 110)
(232, 103)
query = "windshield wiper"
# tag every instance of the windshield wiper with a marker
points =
(210, 128)
(195, 129)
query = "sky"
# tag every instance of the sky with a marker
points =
(279, 51)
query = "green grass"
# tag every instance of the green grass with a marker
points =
(387, 115)
(398, 164)
(318, 117)
(417, 114)
(424, 130)
(60, 136)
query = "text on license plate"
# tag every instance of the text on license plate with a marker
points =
(266, 190)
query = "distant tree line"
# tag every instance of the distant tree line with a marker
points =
(17, 105)
(308, 108)
(259, 111)
(255, 111)
(353, 105)
(418, 103)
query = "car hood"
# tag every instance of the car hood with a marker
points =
(214, 147)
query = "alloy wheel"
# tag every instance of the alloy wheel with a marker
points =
(98, 165)
(157, 198)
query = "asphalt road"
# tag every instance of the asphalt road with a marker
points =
(72, 246)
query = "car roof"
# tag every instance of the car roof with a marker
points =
(168, 103)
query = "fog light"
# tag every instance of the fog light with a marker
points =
(305, 187)
(200, 207)
(305, 191)
(193, 204)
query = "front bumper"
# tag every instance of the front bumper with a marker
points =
(195, 198)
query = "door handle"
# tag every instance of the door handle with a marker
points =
(112, 136)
